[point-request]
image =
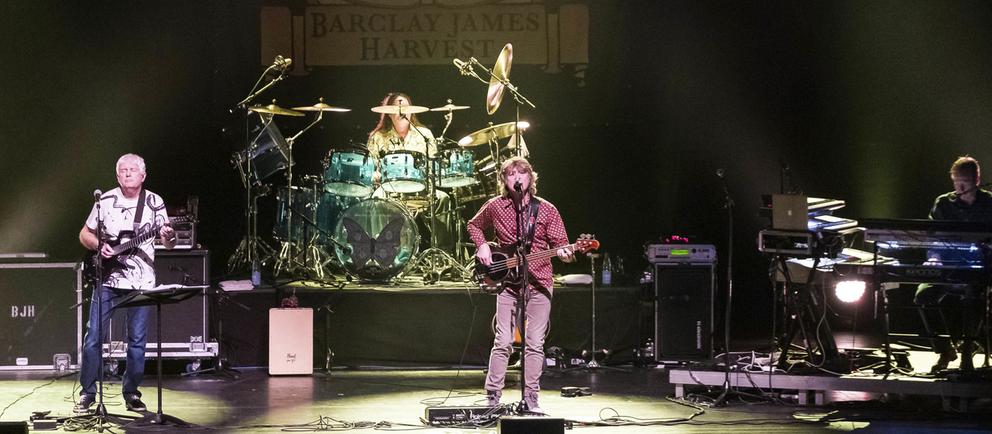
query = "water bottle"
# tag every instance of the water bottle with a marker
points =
(256, 274)
(607, 270)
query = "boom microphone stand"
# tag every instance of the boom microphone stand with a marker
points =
(97, 297)
(247, 251)
(434, 261)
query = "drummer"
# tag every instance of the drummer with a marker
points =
(393, 132)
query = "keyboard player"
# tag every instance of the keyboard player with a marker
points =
(967, 202)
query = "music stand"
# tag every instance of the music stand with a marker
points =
(163, 294)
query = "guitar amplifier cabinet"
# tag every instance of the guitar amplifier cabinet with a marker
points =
(41, 317)
(185, 325)
(684, 295)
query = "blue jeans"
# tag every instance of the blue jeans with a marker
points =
(137, 337)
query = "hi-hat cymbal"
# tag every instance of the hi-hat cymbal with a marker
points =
(399, 109)
(449, 108)
(321, 107)
(274, 109)
(495, 132)
(501, 73)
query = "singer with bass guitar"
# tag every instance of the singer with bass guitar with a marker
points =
(542, 230)
(126, 213)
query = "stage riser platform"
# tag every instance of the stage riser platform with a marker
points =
(813, 389)
(397, 327)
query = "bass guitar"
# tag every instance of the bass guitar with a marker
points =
(503, 270)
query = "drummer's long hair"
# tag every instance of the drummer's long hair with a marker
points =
(518, 164)
(385, 122)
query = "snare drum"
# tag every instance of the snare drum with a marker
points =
(380, 239)
(404, 172)
(348, 173)
(457, 169)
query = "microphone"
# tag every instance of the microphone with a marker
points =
(516, 186)
(282, 63)
(96, 194)
(720, 173)
(465, 68)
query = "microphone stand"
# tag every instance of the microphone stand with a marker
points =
(247, 250)
(433, 269)
(728, 204)
(523, 271)
(97, 297)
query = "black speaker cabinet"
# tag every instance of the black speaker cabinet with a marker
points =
(683, 311)
(39, 327)
(186, 322)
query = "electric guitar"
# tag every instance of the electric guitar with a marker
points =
(127, 241)
(503, 270)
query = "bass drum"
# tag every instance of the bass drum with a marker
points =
(380, 239)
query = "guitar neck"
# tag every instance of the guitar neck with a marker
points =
(136, 241)
(537, 256)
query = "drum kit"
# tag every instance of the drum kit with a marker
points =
(346, 221)
(367, 217)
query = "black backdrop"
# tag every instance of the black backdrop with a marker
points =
(864, 101)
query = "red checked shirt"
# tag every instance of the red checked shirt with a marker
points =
(498, 214)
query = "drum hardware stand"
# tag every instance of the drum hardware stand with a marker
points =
(251, 247)
(288, 250)
(316, 257)
(434, 262)
(247, 253)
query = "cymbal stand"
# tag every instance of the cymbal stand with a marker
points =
(434, 262)
(251, 247)
(288, 251)
(247, 253)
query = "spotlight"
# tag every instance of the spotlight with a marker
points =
(849, 291)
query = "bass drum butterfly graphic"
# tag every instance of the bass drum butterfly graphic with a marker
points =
(381, 239)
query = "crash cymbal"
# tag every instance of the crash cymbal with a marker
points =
(274, 109)
(495, 132)
(397, 109)
(449, 108)
(321, 107)
(501, 72)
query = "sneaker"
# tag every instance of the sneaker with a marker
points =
(84, 404)
(530, 400)
(133, 403)
(492, 397)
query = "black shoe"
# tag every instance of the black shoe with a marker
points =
(946, 358)
(133, 403)
(83, 405)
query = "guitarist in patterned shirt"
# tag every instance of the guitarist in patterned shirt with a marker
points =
(128, 212)
(518, 186)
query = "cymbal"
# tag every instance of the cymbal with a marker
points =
(449, 108)
(501, 72)
(274, 109)
(321, 107)
(398, 109)
(495, 132)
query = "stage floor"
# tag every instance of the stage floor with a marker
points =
(394, 399)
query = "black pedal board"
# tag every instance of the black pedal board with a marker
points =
(458, 415)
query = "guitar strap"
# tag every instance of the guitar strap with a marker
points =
(532, 221)
(140, 208)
